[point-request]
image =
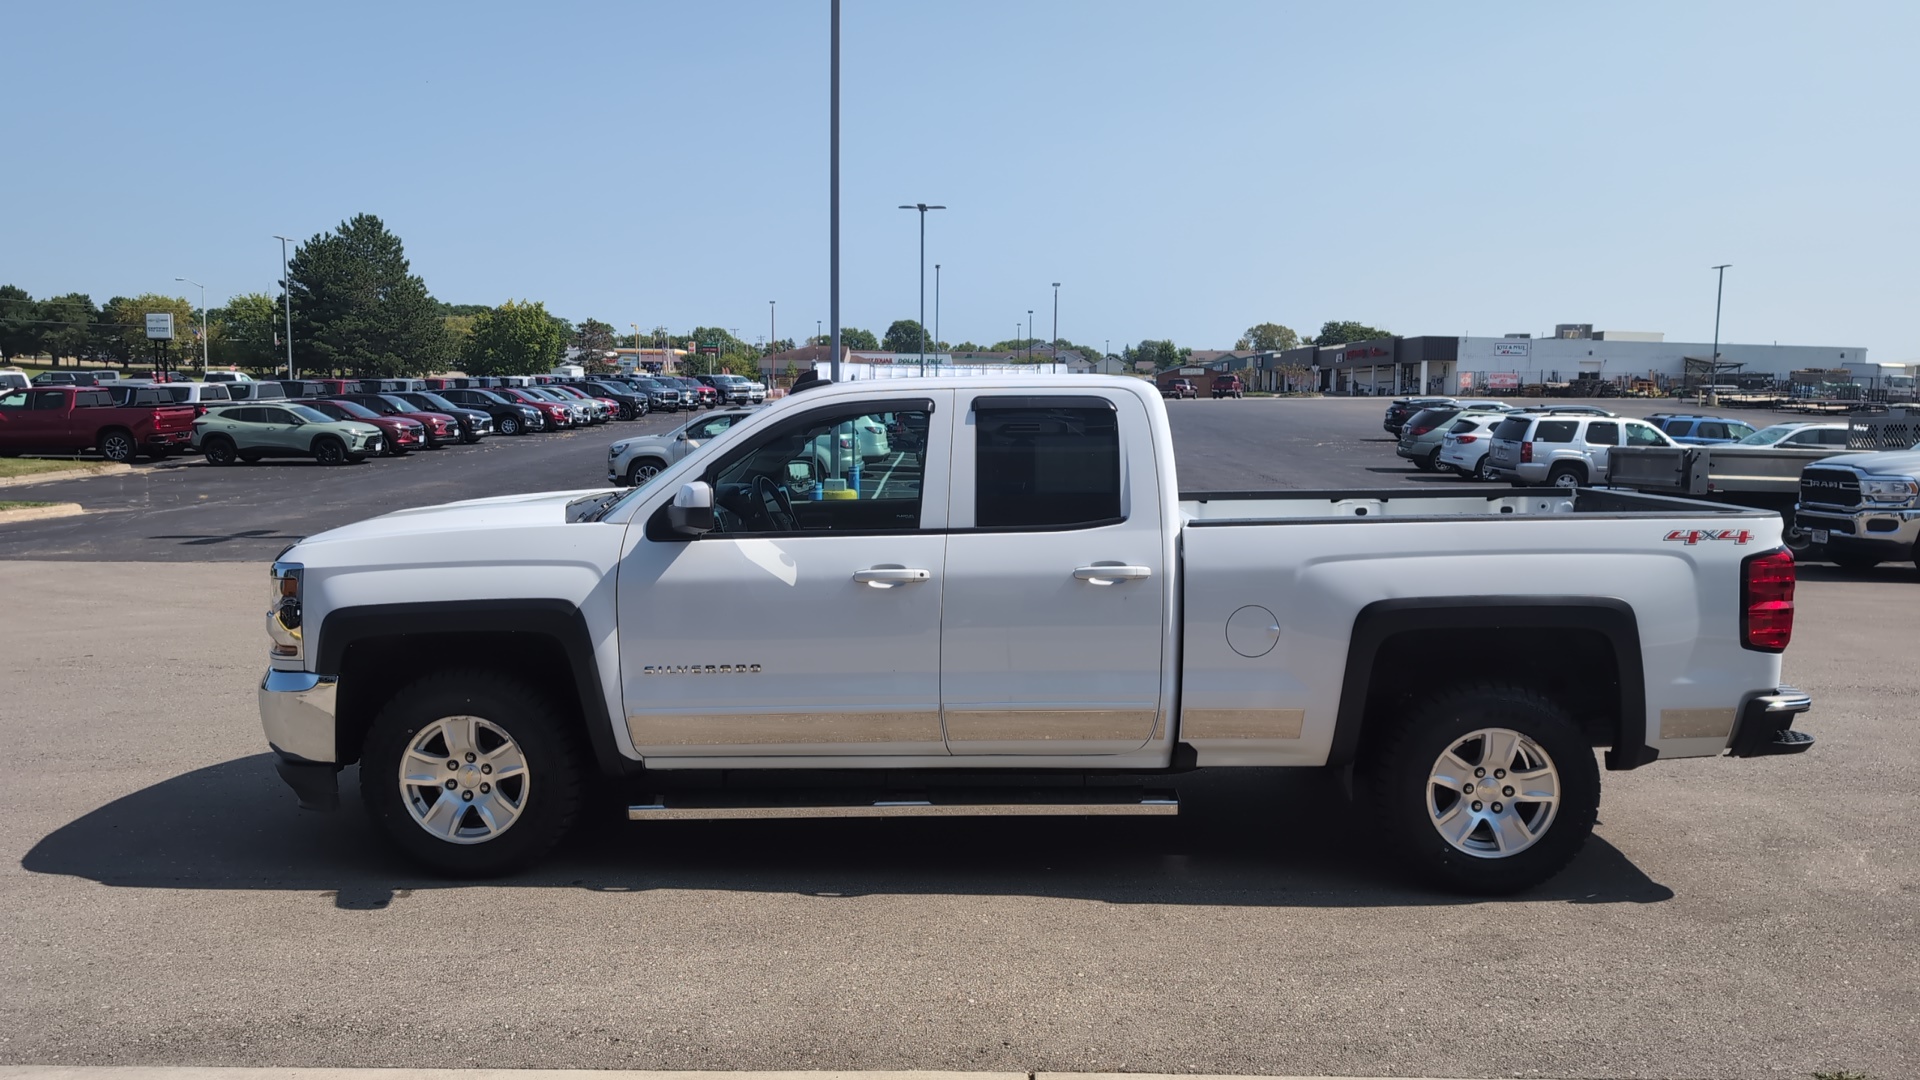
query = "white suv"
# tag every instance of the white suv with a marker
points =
(1566, 451)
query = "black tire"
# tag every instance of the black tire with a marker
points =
(251, 456)
(219, 450)
(469, 436)
(1567, 476)
(1479, 468)
(1393, 781)
(626, 412)
(554, 772)
(509, 425)
(1430, 463)
(118, 445)
(643, 469)
(328, 450)
(1852, 560)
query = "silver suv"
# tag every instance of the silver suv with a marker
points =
(1565, 451)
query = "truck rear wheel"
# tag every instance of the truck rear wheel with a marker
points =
(116, 444)
(471, 773)
(1488, 788)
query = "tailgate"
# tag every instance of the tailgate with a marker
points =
(1651, 468)
(171, 418)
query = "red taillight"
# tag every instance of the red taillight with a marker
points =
(1467, 438)
(1526, 452)
(1418, 430)
(1766, 600)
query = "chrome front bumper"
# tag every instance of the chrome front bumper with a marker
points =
(297, 712)
(1893, 528)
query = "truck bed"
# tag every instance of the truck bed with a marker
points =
(1204, 508)
(1713, 470)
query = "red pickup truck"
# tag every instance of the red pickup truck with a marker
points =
(69, 419)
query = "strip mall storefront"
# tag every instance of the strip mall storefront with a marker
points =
(1389, 366)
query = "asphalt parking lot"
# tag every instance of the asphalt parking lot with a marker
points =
(168, 904)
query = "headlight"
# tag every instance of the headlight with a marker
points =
(529, 411)
(1892, 489)
(283, 612)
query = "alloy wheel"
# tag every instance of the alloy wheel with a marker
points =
(1493, 793)
(464, 780)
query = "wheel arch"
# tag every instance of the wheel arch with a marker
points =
(376, 649)
(1405, 645)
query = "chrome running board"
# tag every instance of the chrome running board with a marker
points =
(764, 805)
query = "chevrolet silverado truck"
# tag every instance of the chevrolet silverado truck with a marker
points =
(70, 419)
(1021, 614)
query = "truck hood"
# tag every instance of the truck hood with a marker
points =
(1885, 463)
(498, 512)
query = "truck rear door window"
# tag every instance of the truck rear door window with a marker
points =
(1045, 467)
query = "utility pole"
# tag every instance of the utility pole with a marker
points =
(771, 347)
(1053, 349)
(936, 305)
(286, 290)
(1029, 335)
(1713, 365)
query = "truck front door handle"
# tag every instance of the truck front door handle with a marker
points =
(886, 577)
(1108, 574)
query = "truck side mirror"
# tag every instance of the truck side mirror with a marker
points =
(691, 513)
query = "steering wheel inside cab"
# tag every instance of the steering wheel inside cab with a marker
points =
(759, 505)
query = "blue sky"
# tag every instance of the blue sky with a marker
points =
(1185, 170)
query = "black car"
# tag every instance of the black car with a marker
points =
(509, 417)
(660, 396)
(1401, 408)
(633, 404)
(474, 422)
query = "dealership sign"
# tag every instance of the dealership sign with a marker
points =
(160, 327)
(1512, 348)
(1503, 380)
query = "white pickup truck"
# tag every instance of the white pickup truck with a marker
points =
(1017, 589)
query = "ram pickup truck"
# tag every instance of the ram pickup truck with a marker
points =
(1864, 509)
(1019, 603)
(70, 419)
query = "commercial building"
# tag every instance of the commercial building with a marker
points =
(1469, 364)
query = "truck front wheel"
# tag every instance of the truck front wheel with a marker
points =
(1486, 789)
(470, 773)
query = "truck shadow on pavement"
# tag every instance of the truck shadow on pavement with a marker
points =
(1265, 838)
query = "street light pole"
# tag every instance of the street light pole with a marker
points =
(936, 305)
(1029, 335)
(1053, 349)
(833, 196)
(923, 208)
(1713, 365)
(203, 325)
(286, 290)
(771, 338)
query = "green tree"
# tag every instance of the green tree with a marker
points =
(594, 339)
(904, 336)
(246, 333)
(1270, 337)
(966, 346)
(17, 317)
(514, 339)
(121, 331)
(1163, 354)
(357, 309)
(64, 326)
(1340, 333)
(852, 337)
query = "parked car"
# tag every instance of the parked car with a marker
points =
(631, 404)
(1804, 434)
(200, 395)
(228, 377)
(1228, 386)
(14, 379)
(756, 391)
(319, 388)
(599, 410)
(1400, 409)
(1565, 451)
(1034, 606)
(402, 435)
(1567, 410)
(255, 390)
(1420, 436)
(74, 378)
(509, 417)
(1864, 509)
(251, 432)
(1695, 430)
(704, 396)
(637, 460)
(1179, 388)
(1464, 446)
(579, 413)
(71, 419)
(555, 415)
(733, 389)
(475, 424)
(661, 397)
(441, 428)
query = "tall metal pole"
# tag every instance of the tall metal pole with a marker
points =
(936, 305)
(286, 290)
(833, 196)
(771, 347)
(922, 208)
(1029, 335)
(203, 325)
(1053, 350)
(1713, 365)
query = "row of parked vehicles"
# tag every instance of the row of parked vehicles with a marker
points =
(1840, 499)
(233, 418)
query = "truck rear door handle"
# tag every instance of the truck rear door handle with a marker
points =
(886, 577)
(1109, 573)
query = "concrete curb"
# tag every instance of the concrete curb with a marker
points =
(246, 1073)
(36, 513)
(175, 1072)
(105, 468)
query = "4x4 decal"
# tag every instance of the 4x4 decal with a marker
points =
(1691, 537)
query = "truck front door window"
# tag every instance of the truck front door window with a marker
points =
(863, 483)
